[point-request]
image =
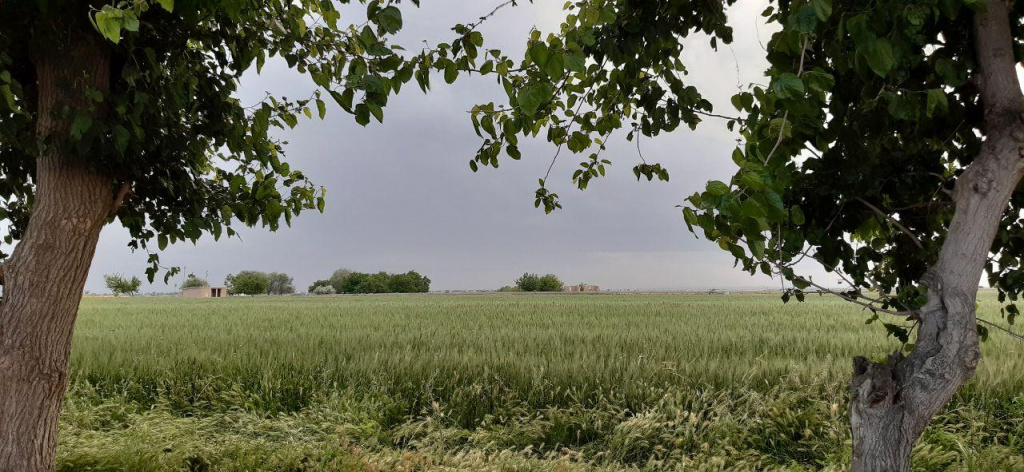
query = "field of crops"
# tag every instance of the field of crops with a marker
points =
(498, 382)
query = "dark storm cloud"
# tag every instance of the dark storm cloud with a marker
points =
(401, 195)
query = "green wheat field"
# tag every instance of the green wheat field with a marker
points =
(499, 382)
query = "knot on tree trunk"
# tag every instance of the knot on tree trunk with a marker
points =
(875, 382)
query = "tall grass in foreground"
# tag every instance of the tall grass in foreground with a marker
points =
(503, 382)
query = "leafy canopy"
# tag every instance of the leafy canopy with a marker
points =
(198, 160)
(849, 147)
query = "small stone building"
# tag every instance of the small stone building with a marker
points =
(581, 288)
(205, 292)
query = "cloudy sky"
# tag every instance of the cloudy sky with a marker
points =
(401, 195)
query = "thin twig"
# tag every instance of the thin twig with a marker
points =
(1000, 328)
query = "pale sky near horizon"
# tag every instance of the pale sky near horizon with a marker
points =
(401, 196)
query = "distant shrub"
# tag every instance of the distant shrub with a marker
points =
(279, 284)
(509, 288)
(323, 290)
(320, 283)
(248, 282)
(535, 283)
(194, 282)
(122, 286)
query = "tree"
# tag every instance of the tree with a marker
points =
(535, 283)
(549, 283)
(528, 282)
(320, 283)
(127, 110)
(337, 279)
(248, 282)
(192, 281)
(119, 285)
(323, 290)
(886, 146)
(409, 282)
(279, 284)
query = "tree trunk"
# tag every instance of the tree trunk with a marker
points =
(45, 276)
(893, 401)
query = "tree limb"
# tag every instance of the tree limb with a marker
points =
(894, 221)
(126, 190)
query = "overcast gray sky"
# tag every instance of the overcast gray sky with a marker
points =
(401, 195)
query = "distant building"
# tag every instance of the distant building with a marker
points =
(581, 288)
(205, 292)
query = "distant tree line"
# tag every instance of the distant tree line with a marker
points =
(347, 281)
(252, 282)
(536, 283)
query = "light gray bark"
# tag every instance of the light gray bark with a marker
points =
(892, 402)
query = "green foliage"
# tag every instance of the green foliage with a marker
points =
(119, 285)
(279, 284)
(536, 283)
(323, 290)
(509, 288)
(369, 382)
(248, 282)
(864, 109)
(338, 278)
(197, 159)
(346, 281)
(192, 281)
(319, 283)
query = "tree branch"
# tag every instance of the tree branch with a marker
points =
(126, 190)
(892, 220)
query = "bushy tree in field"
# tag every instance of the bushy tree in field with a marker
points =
(248, 282)
(279, 284)
(549, 283)
(319, 283)
(409, 282)
(528, 282)
(192, 281)
(119, 285)
(536, 283)
(323, 290)
(337, 279)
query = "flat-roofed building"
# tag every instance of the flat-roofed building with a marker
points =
(205, 292)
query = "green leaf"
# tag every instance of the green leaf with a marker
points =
(81, 125)
(822, 8)
(532, 96)
(936, 102)
(797, 215)
(539, 54)
(166, 4)
(321, 108)
(108, 22)
(717, 187)
(121, 136)
(804, 20)
(879, 56)
(389, 19)
(788, 85)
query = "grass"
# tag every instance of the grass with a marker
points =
(498, 382)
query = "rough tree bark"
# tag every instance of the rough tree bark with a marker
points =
(893, 401)
(45, 276)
